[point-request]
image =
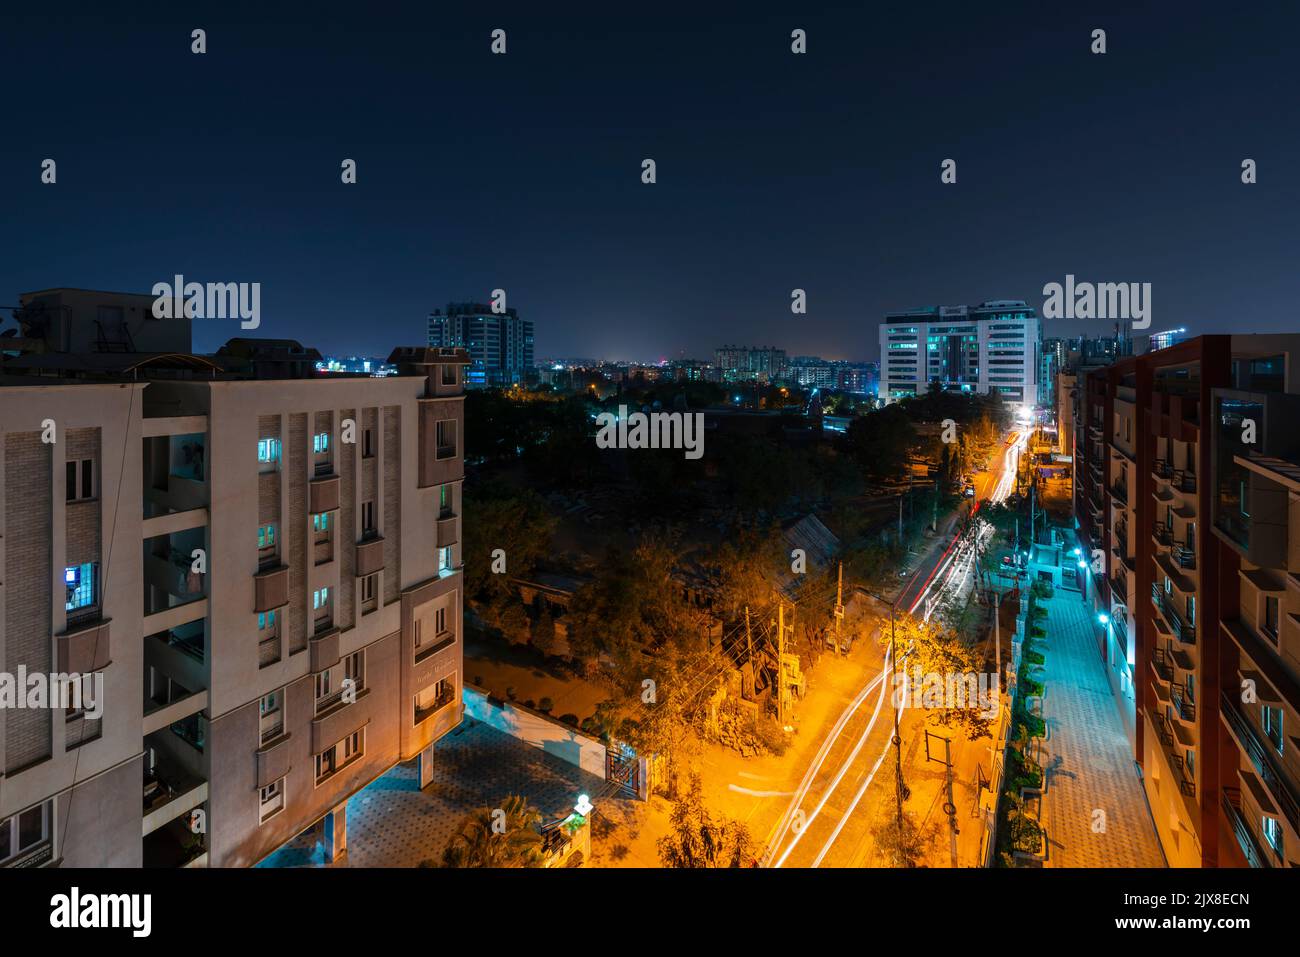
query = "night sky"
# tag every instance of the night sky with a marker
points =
(775, 171)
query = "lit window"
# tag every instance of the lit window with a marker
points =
(444, 559)
(321, 522)
(266, 621)
(80, 583)
(266, 536)
(268, 450)
(1273, 833)
(1271, 719)
(320, 598)
(320, 442)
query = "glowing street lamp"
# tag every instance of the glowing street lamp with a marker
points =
(1103, 618)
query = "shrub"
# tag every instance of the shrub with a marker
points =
(546, 704)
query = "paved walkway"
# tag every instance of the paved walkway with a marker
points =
(392, 823)
(1088, 763)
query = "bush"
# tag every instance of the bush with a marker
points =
(570, 719)
(546, 704)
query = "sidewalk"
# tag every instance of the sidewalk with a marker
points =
(1086, 758)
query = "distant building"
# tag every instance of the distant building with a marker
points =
(1163, 340)
(356, 365)
(994, 347)
(745, 363)
(500, 345)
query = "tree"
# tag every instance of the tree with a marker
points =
(545, 638)
(498, 517)
(935, 651)
(699, 841)
(905, 843)
(497, 837)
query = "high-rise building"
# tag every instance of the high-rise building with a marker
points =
(1187, 502)
(499, 345)
(263, 572)
(994, 347)
(750, 364)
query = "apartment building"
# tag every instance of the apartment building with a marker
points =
(1178, 607)
(994, 347)
(266, 573)
(751, 363)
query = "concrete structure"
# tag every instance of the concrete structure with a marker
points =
(264, 571)
(1196, 619)
(499, 345)
(993, 347)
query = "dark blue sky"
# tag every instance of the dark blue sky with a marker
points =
(775, 171)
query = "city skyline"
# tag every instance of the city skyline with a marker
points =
(1108, 168)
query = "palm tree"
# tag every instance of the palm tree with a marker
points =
(497, 837)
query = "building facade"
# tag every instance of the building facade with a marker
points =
(265, 573)
(995, 347)
(499, 345)
(1193, 601)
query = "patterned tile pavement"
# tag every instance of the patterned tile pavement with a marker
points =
(392, 823)
(1087, 758)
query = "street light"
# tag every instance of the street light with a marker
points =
(1103, 618)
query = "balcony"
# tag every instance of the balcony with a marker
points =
(1183, 707)
(1184, 555)
(447, 531)
(1262, 756)
(84, 647)
(1119, 492)
(1181, 630)
(1185, 481)
(1176, 762)
(1162, 470)
(1162, 534)
(1161, 666)
(1119, 588)
(1250, 847)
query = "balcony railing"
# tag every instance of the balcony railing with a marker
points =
(1261, 758)
(1185, 708)
(1250, 847)
(1185, 481)
(1119, 587)
(1182, 630)
(1161, 469)
(1162, 534)
(1166, 734)
(1160, 662)
(1184, 555)
(1119, 491)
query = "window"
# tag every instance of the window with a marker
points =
(268, 450)
(266, 624)
(271, 716)
(80, 582)
(440, 621)
(320, 442)
(367, 518)
(354, 669)
(434, 698)
(332, 759)
(324, 685)
(369, 587)
(80, 480)
(1273, 833)
(444, 502)
(321, 521)
(272, 800)
(368, 443)
(444, 559)
(446, 438)
(1191, 610)
(1270, 617)
(320, 598)
(25, 831)
(448, 375)
(265, 537)
(1271, 719)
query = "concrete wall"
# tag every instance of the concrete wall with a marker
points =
(551, 736)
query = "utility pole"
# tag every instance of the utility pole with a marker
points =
(780, 662)
(900, 520)
(839, 609)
